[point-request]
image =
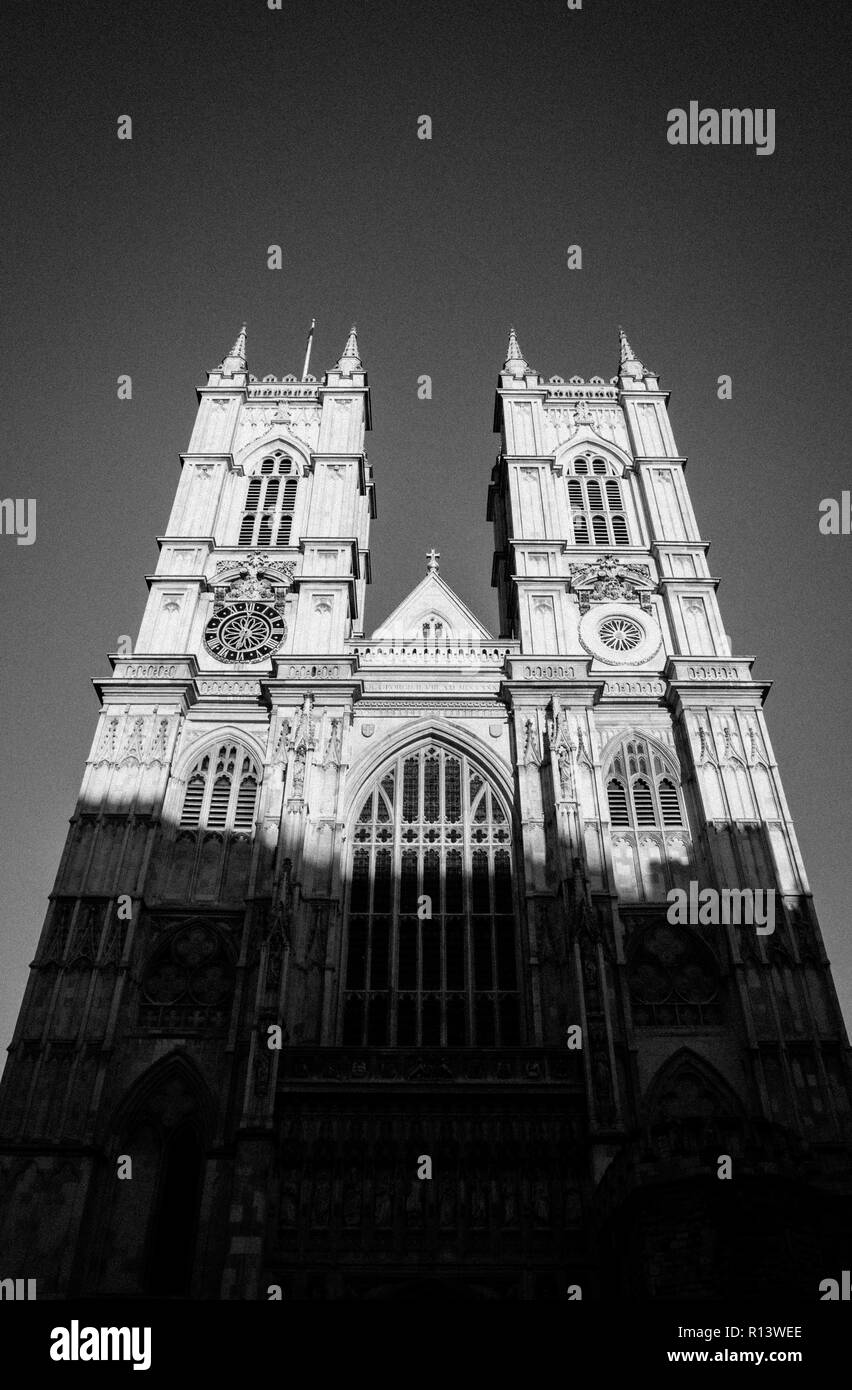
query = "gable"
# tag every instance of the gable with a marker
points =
(432, 605)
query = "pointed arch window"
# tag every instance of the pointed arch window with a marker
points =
(598, 513)
(268, 511)
(651, 846)
(431, 952)
(674, 978)
(188, 980)
(221, 791)
(641, 788)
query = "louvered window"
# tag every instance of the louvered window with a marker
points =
(617, 797)
(431, 940)
(593, 492)
(246, 797)
(194, 797)
(597, 509)
(268, 514)
(288, 503)
(650, 840)
(669, 803)
(643, 802)
(221, 795)
(640, 788)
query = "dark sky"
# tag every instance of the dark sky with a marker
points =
(299, 127)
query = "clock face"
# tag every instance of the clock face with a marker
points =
(245, 632)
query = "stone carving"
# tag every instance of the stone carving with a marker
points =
(410, 1065)
(154, 671)
(703, 752)
(634, 687)
(298, 785)
(300, 741)
(108, 744)
(728, 741)
(333, 755)
(134, 745)
(530, 754)
(302, 422)
(159, 743)
(566, 731)
(565, 763)
(609, 579)
(248, 689)
(606, 421)
(705, 673)
(756, 752)
(280, 750)
(248, 581)
(566, 745)
(303, 734)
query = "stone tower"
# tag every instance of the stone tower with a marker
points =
(360, 977)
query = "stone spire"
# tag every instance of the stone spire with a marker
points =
(350, 361)
(630, 364)
(236, 358)
(515, 362)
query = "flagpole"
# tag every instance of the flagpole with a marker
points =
(308, 349)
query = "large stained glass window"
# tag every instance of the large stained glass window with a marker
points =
(431, 958)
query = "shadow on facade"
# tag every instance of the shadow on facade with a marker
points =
(407, 1037)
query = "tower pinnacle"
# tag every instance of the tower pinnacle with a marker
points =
(235, 361)
(350, 361)
(629, 364)
(515, 362)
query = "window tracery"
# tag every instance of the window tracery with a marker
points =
(431, 941)
(598, 513)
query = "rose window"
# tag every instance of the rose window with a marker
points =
(620, 634)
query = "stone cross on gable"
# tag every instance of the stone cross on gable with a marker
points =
(432, 558)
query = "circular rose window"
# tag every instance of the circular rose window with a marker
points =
(620, 634)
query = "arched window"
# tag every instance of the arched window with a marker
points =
(431, 943)
(221, 792)
(188, 982)
(653, 797)
(432, 627)
(673, 977)
(268, 512)
(650, 840)
(597, 508)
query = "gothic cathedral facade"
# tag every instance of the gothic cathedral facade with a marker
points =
(359, 978)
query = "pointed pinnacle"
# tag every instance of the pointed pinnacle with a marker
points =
(235, 361)
(350, 361)
(629, 364)
(515, 362)
(627, 353)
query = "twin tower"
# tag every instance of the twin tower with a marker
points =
(359, 978)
